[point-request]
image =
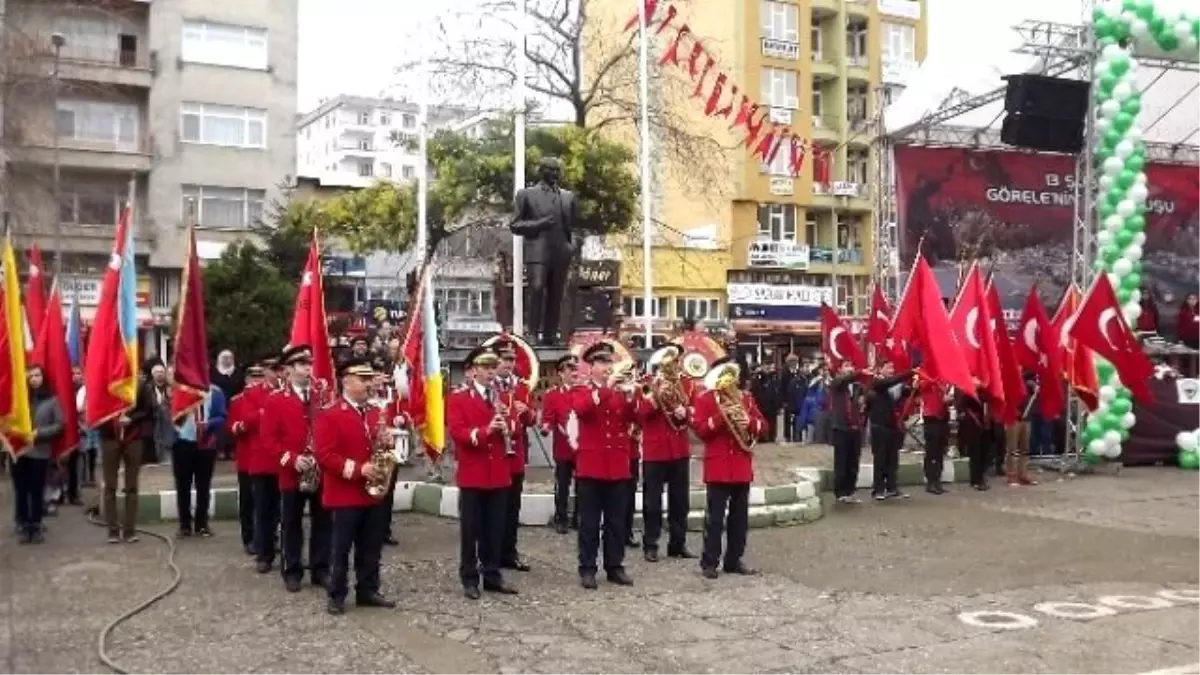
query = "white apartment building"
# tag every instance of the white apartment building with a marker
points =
(353, 141)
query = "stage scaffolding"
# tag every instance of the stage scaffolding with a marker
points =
(1063, 50)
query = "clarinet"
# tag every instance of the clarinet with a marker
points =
(508, 444)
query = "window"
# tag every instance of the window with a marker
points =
(811, 230)
(781, 165)
(697, 308)
(856, 102)
(366, 169)
(385, 169)
(892, 93)
(480, 303)
(408, 172)
(364, 144)
(464, 302)
(364, 118)
(856, 168)
(224, 125)
(818, 101)
(224, 208)
(110, 125)
(899, 42)
(779, 88)
(818, 42)
(780, 21)
(224, 45)
(635, 307)
(385, 119)
(856, 43)
(91, 38)
(409, 121)
(90, 207)
(777, 222)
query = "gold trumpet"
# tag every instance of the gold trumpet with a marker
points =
(733, 410)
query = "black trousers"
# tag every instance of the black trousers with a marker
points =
(772, 425)
(71, 489)
(996, 446)
(789, 425)
(847, 457)
(631, 487)
(885, 453)
(481, 519)
(564, 474)
(292, 504)
(726, 514)
(512, 520)
(602, 500)
(193, 469)
(937, 438)
(361, 528)
(390, 503)
(266, 515)
(672, 474)
(972, 442)
(548, 280)
(246, 507)
(29, 488)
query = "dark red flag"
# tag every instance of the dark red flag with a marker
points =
(921, 320)
(1100, 327)
(1036, 349)
(308, 318)
(974, 326)
(190, 360)
(1010, 370)
(50, 352)
(879, 334)
(35, 293)
(1079, 367)
(837, 343)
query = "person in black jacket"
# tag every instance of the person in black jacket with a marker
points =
(794, 384)
(885, 402)
(845, 414)
(765, 387)
(974, 420)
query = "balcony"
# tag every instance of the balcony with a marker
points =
(847, 195)
(351, 150)
(783, 50)
(904, 9)
(822, 255)
(858, 68)
(111, 65)
(824, 64)
(862, 130)
(126, 156)
(777, 254)
(858, 8)
(826, 127)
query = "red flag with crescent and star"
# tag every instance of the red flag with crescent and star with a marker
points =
(921, 320)
(879, 334)
(1100, 327)
(973, 325)
(309, 326)
(837, 343)
(1010, 370)
(1079, 369)
(1036, 349)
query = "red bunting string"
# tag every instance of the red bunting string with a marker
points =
(763, 138)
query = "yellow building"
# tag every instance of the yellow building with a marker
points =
(827, 68)
(687, 282)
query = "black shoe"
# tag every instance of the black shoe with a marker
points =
(620, 578)
(249, 549)
(933, 489)
(650, 556)
(336, 607)
(982, 487)
(896, 494)
(741, 569)
(709, 572)
(292, 584)
(391, 541)
(588, 581)
(374, 600)
(25, 537)
(472, 592)
(262, 567)
(204, 532)
(184, 532)
(516, 565)
(499, 587)
(37, 534)
(320, 580)
(682, 554)
(878, 496)
(560, 528)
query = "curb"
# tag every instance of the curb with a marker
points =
(769, 505)
(909, 475)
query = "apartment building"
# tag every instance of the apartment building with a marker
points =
(187, 106)
(354, 141)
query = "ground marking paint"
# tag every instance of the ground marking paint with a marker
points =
(1074, 610)
(995, 619)
(1080, 611)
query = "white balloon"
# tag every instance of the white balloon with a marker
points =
(1139, 238)
(1134, 134)
(1104, 237)
(1127, 17)
(1108, 393)
(1112, 437)
(1110, 108)
(1182, 30)
(1122, 92)
(1138, 193)
(1106, 182)
(1135, 296)
(1114, 223)
(1131, 311)
(1122, 266)
(1114, 451)
(1111, 51)
(1128, 420)
(1139, 29)
(1189, 43)
(1114, 279)
(1126, 208)
(1102, 125)
(1186, 440)
(1113, 166)
(1124, 149)
(1133, 252)
(1098, 447)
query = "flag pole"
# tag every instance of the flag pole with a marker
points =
(423, 159)
(644, 143)
(518, 253)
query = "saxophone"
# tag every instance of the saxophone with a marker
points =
(383, 458)
(733, 410)
(310, 479)
(668, 393)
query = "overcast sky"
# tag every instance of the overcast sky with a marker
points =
(357, 52)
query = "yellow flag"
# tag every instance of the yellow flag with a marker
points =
(15, 419)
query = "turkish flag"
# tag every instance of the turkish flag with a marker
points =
(879, 333)
(822, 160)
(921, 320)
(1100, 326)
(1078, 367)
(50, 351)
(35, 296)
(1036, 349)
(1010, 369)
(973, 325)
(309, 326)
(837, 343)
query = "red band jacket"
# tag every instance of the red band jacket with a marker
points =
(342, 443)
(556, 421)
(509, 395)
(245, 424)
(286, 420)
(605, 417)
(664, 437)
(480, 452)
(724, 460)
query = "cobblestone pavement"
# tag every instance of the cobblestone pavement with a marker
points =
(873, 588)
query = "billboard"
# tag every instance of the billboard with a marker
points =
(1014, 211)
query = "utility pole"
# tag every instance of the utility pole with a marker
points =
(58, 40)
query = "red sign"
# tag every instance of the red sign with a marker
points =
(1016, 209)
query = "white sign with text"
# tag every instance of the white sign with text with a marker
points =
(783, 296)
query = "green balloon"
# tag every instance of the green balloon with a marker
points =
(1124, 238)
(1157, 23)
(1119, 66)
(1104, 27)
(1103, 153)
(1124, 435)
(1124, 296)
(1137, 267)
(1110, 254)
(1122, 122)
(1114, 196)
(1168, 42)
(1132, 281)
(1099, 265)
(1112, 137)
(1120, 405)
(1135, 223)
(1104, 370)
(1132, 105)
(1125, 179)
(1105, 84)
(1196, 28)
(1090, 458)
(1104, 209)
(1189, 460)
(1129, 5)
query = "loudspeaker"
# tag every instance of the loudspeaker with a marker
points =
(1042, 133)
(1043, 96)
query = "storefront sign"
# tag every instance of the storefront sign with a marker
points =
(604, 273)
(774, 312)
(85, 291)
(778, 295)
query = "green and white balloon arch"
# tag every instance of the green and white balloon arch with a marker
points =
(1123, 27)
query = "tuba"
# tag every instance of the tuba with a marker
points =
(383, 458)
(723, 381)
(310, 479)
(667, 391)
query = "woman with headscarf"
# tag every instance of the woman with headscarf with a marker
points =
(1147, 321)
(29, 471)
(1187, 326)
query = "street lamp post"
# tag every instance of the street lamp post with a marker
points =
(58, 40)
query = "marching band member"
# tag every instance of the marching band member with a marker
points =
(935, 421)
(885, 402)
(666, 455)
(635, 473)
(845, 422)
(243, 420)
(516, 396)
(479, 429)
(249, 429)
(343, 443)
(288, 422)
(273, 373)
(605, 409)
(558, 419)
(729, 423)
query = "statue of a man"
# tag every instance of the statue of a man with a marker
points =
(545, 215)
